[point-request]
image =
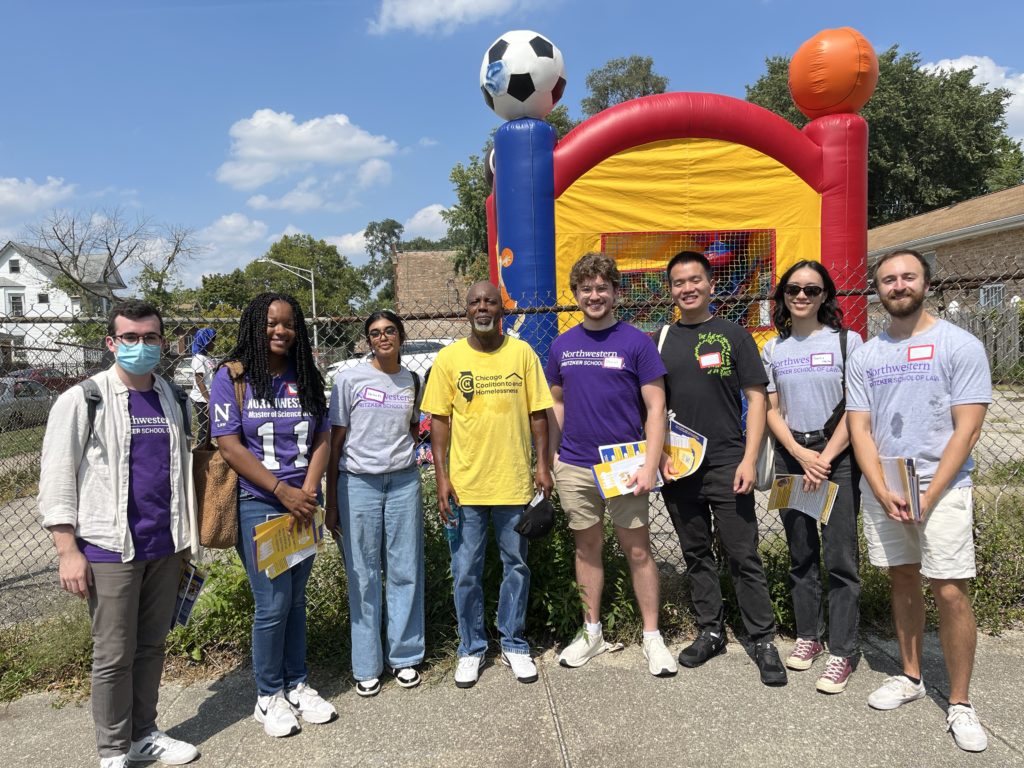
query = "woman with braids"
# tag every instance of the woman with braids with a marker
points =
(279, 446)
(806, 413)
(373, 491)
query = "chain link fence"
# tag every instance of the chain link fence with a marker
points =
(40, 357)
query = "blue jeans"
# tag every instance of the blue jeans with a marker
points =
(381, 519)
(279, 627)
(468, 571)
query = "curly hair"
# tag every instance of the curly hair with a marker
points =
(252, 351)
(591, 265)
(829, 313)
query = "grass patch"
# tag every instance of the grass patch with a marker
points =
(1004, 473)
(19, 441)
(20, 483)
(54, 654)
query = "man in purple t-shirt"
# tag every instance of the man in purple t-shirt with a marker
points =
(606, 378)
(114, 491)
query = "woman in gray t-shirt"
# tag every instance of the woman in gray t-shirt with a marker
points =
(805, 367)
(374, 505)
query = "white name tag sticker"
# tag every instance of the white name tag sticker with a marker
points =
(374, 395)
(710, 360)
(921, 352)
(821, 358)
(614, 362)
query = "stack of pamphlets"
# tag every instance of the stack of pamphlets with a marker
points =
(788, 493)
(277, 544)
(686, 448)
(901, 478)
(619, 463)
(189, 586)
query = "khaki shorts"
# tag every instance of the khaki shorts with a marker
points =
(943, 544)
(584, 507)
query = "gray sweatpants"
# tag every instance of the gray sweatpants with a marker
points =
(131, 606)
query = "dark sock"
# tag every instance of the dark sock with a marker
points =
(961, 703)
(914, 680)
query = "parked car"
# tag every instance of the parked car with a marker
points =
(418, 355)
(53, 379)
(23, 403)
(183, 375)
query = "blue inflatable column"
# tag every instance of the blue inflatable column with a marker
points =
(524, 190)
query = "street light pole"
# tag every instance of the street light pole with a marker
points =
(309, 276)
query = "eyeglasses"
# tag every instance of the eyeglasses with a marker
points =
(131, 339)
(810, 291)
(376, 333)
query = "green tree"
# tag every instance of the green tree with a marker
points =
(382, 239)
(935, 139)
(467, 219)
(620, 80)
(561, 121)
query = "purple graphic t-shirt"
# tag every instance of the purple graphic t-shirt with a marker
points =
(279, 434)
(149, 483)
(600, 373)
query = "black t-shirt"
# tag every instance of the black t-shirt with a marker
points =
(708, 366)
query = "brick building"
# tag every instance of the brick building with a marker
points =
(426, 283)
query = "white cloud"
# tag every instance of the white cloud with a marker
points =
(352, 246)
(427, 222)
(231, 242)
(425, 16)
(234, 229)
(25, 197)
(375, 172)
(304, 197)
(996, 76)
(270, 145)
(290, 231)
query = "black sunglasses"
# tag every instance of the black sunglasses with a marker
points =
(810, 291)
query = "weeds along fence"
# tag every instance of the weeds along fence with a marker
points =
(42, 356)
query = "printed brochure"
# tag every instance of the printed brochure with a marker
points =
(901, 478)
(276, 549)
(686, 448)
(618, 463)
(189, 586)
(788, 493)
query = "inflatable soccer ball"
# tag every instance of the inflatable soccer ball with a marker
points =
(522, 75)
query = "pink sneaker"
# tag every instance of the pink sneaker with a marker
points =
(836, 675)
(804, 653)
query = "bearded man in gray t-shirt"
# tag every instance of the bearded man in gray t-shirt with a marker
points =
(920, 390)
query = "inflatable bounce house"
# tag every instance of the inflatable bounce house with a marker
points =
(648, 178)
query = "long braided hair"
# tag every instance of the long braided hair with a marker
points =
(252, 349)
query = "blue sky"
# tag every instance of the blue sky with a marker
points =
(246, 119)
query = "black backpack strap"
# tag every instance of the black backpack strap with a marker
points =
(842, 352)
(93, 398)
(182, 397)
(415, 396)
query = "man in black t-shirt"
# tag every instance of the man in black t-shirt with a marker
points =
(710, 361)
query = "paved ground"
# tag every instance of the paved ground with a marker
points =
(608, 713)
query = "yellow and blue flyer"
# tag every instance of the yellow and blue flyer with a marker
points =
(277, 548)
(686, 448)
(619, 463)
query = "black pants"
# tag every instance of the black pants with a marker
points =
(691, 502)
(838, 539)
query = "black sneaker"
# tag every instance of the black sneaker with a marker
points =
(767, 657)
(707, 645)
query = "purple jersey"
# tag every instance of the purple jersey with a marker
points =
(600, 373)
(280, 435)
(149, 483)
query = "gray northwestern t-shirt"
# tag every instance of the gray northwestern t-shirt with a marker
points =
(807, 374)
(910, 385)
(377, 408)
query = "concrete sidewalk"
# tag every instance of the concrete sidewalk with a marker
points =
(609, 713)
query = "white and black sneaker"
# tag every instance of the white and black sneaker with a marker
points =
(407, 677)
(159, 746)
(369, 687)
(522, 666)
(277, 715)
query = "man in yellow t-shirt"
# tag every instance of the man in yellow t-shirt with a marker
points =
(487, 395)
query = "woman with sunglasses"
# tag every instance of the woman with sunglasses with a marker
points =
(806, 414)
(277, 443)
(374, 506)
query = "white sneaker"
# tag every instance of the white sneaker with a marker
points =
(159, 746)
(120, 761)
(277, 715)
(582, 649)
(659, 660)
(367, 688)
(468, 671)
(968, 734)
(522, 666)
(310, 704)
(407, 677)
(896, 691)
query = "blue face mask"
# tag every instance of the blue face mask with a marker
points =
(138, 359)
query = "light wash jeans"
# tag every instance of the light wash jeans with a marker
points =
(279, 627)
(468, 571)
(381, 519)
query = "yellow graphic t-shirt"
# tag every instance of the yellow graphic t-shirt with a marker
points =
(489, 396)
